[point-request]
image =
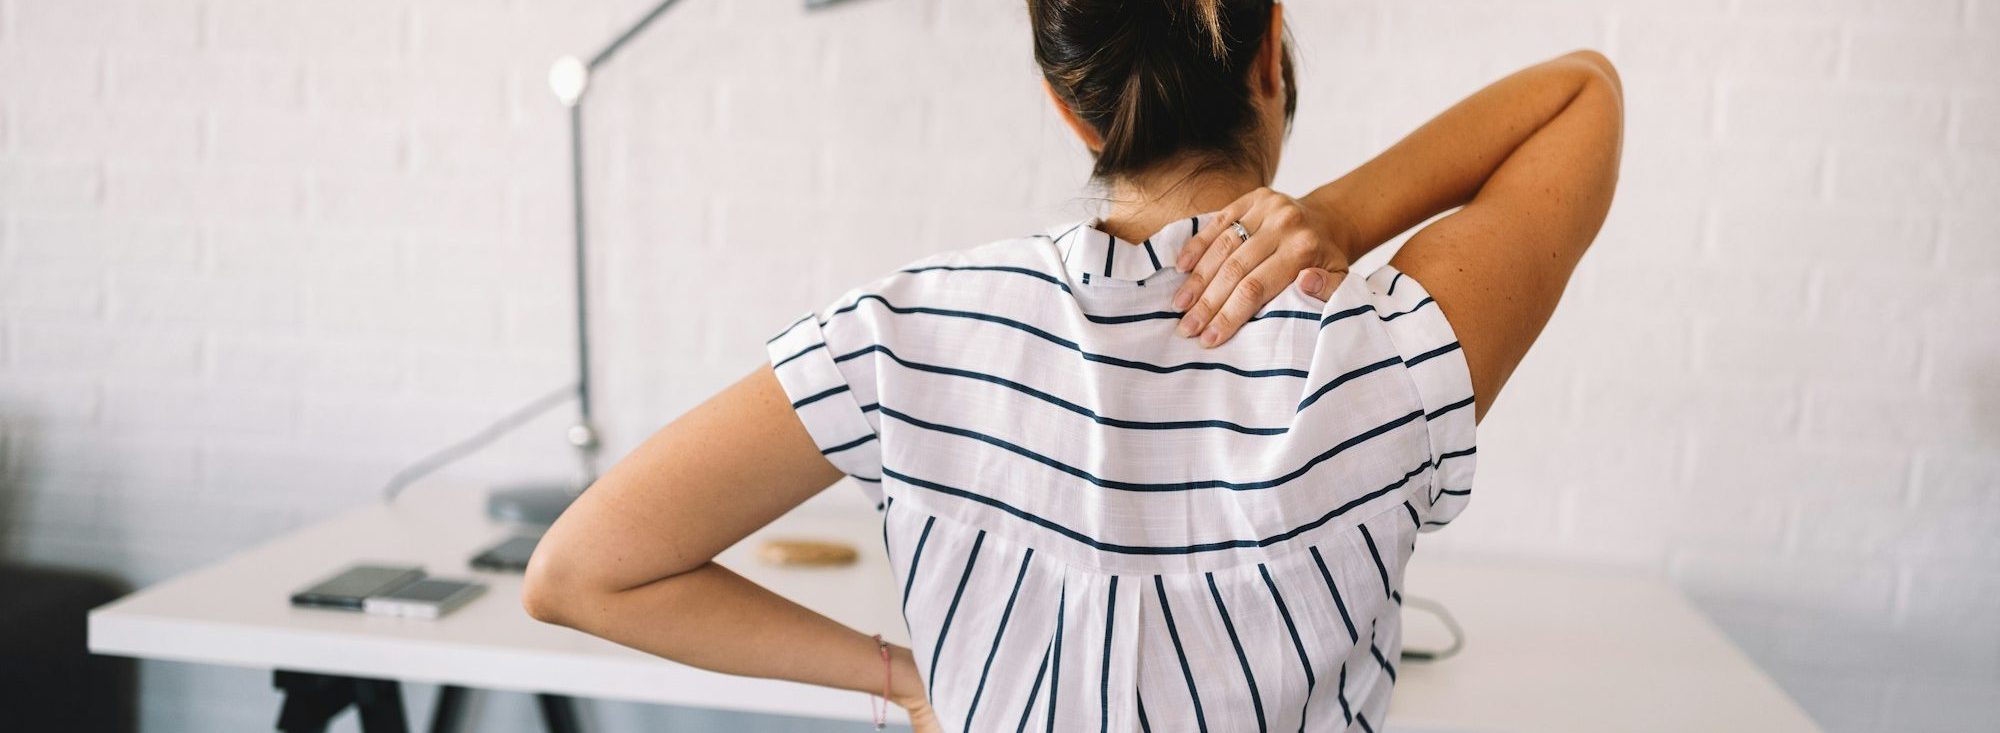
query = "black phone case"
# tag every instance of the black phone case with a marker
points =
(314, 599)
(493, 559)
(318, 600)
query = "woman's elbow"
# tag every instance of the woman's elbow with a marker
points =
(541, 604)
(548, 594)
(1601, 71)
(1596, 60)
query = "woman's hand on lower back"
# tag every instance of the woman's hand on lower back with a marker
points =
(907, 692)
(924, 720)
(1230, 279)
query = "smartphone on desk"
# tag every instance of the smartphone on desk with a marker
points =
(510, 556)
(349, 589)
(427, 598)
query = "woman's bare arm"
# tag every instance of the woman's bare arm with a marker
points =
(632, 559)
(1458, 155)
(1532, 159)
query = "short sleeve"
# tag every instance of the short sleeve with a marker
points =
(1437, 370)
(816, 366)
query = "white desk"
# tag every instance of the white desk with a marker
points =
(1548, 649)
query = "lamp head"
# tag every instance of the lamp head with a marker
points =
(568, 78)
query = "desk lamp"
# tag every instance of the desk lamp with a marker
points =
(569, 78)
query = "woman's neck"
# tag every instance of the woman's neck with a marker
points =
(1146, 203)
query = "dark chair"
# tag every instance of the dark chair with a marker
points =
(48, 680)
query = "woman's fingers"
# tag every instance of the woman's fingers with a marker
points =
(1191, 256)
(1319, 283)
(1215, 277)
(1191, 251)
(1272, 275)
(1199, 271)
(1198, 257)
(925, 721)
(1234, 271)
(1225, 263)
(1196, 250)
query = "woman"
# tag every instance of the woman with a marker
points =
(1157, 470)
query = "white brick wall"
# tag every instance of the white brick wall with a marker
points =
(256, 254)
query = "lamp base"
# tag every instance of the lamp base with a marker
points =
(536, 504)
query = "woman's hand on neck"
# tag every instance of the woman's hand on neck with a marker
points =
(1145, 203)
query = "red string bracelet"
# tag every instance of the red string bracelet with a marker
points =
(882, 711)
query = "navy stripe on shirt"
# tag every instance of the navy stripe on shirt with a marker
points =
(801, 352)
(1034, 690)
(1353, 635)
(1066, 343)
(1298, 644)
(1280, 480)
(1104, 672)
(1250, 678)
(829, 392)
(1055, 662)
(857, 442)
(971, 559)
(1187, 672)
(1426, 356)
(1433, 415)
(1058, 401)
(1037, 274)
(1419, 306)
(916, 558)
(1005, 613)
(788, 329)
(1097, 544)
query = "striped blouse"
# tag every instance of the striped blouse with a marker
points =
(1099, 525)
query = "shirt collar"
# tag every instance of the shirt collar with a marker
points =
(1089, 253)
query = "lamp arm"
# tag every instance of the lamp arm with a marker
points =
(630, 33)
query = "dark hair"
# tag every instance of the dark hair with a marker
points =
(1157, 78)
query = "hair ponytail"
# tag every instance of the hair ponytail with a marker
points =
(1157, 79)
(1207, 16)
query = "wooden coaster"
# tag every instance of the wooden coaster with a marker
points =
(806, 553)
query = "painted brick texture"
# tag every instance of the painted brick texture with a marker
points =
(257, 254)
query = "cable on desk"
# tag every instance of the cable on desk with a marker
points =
(452, 453)
(1450, 624)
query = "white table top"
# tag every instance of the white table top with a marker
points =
(1549, 649)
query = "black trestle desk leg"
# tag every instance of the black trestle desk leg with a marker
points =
(312, 701)
(558, 713)
(380, 703)
(450, 709)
